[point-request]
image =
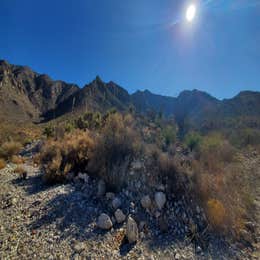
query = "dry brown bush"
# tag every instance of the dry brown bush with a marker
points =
(8, 149)
(2, 164)
(71, 154)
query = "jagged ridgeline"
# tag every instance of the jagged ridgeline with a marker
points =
(29, 96)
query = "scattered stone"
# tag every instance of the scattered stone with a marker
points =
(157, 214)
(110, 195)
(137, 165)
(146, 202)
(160, 199)
(160, 188)
(101, 188)
(104, 222)
(120, 216)
(116, 203)
(131, 230)
(83, 176)
(177, 256)
(198, 250)
(78, 247)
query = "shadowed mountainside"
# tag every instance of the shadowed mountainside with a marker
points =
(27, 95)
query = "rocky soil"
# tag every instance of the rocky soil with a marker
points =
(67, 222)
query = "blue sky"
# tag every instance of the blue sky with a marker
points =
(139, 44)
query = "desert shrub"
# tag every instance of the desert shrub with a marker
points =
(215, 151)
(222, 184)
(117, 143)
(72, 154)
(216, 213)
(245, 137)
(20, 170)
(193, 140)
(2, 164)
(49, 131)
(69, 127)
(17, 159)
(169, 135)
(8, 149)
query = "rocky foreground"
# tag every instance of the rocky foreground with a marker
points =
(83, 220)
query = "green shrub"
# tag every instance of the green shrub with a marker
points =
(193, 140)
(49, 131)
(169, 135)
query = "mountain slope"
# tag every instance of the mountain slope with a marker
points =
(27, 95)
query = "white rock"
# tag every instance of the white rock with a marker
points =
(104, 222)
(131, 230)
(120, 216)
(146, 202)
(116, 203)
(160, 199)
(101, 188)
(83, 176)
(137, 165)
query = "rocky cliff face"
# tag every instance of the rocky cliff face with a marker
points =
(26, 95)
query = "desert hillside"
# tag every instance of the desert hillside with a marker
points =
(95, 172)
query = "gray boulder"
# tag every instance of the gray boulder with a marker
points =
(120, 216)
(131, 230)
(160, 199)
(104, 222)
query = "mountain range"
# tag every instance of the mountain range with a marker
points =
(29, 96)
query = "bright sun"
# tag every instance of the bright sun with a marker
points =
(190, 12)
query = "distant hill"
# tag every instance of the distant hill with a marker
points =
(27, 95)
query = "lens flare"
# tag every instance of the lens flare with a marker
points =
(190, 12)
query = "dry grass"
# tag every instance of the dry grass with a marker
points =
(2, 164)
(222, 186)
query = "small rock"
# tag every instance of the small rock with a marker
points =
(116, 203)
(137, 165)
(120, 216)
(131, 230)
(104, 222)
(160, 188)
(146, 202)
(160, 199)
(83, 176)
(177, 256)
(78, 247)
(157, 214)
(101, 188)
(198, 250)
(110, 195)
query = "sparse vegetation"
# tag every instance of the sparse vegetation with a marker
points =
(2, 163)
(9, 149)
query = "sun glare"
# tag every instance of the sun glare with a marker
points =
(190, 12)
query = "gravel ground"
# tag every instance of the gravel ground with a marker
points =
(59, 222)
